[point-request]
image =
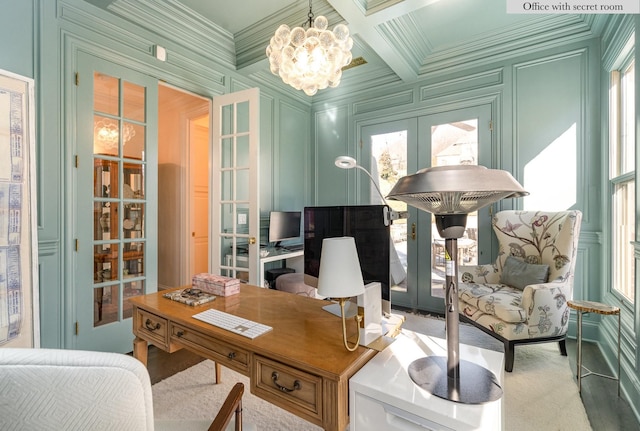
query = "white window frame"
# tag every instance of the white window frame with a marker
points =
(622, 142)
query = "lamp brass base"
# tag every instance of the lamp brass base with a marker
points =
(474, 385)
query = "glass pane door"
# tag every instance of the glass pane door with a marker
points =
(119, 199)
(389, 145)
(452, 138)
(235, 199)
(116, 206)
(454, 143)
(389, 152)
(399, 148)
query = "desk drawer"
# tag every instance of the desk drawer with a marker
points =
(292, 389)
(152, 328)
(219, 351)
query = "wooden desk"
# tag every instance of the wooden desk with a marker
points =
(304, 351)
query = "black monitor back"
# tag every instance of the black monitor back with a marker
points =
(365, 223)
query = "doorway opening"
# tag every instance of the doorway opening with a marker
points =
(183, 186)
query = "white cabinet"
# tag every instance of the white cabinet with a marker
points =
(383, 397)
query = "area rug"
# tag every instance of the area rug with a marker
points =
(540, 393)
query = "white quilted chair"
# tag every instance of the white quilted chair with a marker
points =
(522, 297)
(49, 389)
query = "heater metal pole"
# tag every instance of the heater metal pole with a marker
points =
(452, 319)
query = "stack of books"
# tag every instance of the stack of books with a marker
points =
(190, 296)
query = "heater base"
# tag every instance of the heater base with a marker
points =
(475, 385)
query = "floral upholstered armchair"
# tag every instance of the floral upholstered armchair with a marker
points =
(522, 297)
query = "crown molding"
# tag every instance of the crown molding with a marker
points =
(407, 39)
(180, 25)
(540, 33)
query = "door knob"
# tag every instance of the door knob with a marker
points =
(252, 240)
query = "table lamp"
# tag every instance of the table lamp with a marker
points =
(451, 193)
(340, 277)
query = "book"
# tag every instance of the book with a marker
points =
(190, 296)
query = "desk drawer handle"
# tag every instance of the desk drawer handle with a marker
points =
(231, 355)
(149, 325)
(180, 334)
(296, 384)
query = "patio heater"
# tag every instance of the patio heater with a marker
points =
(451, 193)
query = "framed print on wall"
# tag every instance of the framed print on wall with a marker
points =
(19, 286)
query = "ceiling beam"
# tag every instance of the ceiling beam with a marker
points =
(365, 27)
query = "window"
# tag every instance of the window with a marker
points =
(622, 176)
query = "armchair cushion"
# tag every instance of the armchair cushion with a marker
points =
(500, 300)
(519, 274)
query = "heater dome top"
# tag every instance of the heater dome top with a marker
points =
(459, 189)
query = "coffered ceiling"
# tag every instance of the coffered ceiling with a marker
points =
(400, 40)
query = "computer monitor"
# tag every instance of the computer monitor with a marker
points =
(284, 225)
(368, 226)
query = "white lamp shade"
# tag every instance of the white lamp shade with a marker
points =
(340, 275)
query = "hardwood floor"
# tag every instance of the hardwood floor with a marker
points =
(606, 411)
(162, 364)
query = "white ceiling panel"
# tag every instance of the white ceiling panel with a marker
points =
(406, 38)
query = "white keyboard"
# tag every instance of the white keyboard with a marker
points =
(235, 324)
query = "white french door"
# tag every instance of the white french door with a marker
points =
(386, 156)
(235, 215)
(400, 148)
(115, 196)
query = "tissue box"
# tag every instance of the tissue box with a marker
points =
(216, 284)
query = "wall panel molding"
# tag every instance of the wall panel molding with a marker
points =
(394, 100)
(460, 85)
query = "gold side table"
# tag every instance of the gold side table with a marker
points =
(581, 308)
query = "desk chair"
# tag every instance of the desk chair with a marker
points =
(81, 390)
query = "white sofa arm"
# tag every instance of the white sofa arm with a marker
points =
(546, 308)
(479, 274)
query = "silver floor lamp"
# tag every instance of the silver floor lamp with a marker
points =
(451, 193)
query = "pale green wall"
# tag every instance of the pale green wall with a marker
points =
(531, 94)
(17, 22)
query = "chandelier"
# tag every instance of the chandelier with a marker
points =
(311, 59)
(106, 133)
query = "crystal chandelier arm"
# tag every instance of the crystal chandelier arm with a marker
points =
(309, 21)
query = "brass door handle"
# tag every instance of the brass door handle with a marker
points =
(252, 240)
